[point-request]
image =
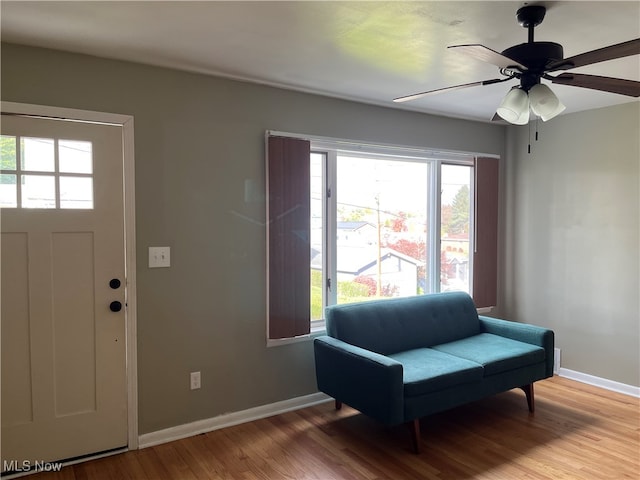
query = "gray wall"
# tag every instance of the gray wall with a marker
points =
(571, 223)
(197, 140)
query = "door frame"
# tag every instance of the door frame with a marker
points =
(126, 122)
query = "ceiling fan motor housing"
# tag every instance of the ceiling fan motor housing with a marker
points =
(535, 56)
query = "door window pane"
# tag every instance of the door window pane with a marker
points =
(7, 152)
(76, 192)
(8, 191)
(455, 218)
(38, 191)
(37, 154)
(75, 156)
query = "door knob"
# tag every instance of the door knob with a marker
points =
(114, 283)
(115, 306)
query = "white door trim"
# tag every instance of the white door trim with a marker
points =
(126, 121)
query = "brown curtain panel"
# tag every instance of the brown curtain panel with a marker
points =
(289, 257)
(485, 259)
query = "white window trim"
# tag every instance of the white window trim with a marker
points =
(390, 149)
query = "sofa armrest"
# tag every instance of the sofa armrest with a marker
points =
(522, 332)
(365, 380)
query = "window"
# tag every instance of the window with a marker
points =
(455, 227)
(45, 173)
(382, 222)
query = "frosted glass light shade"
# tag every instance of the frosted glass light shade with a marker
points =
(515, 107)
(544, 102)
(523, 119)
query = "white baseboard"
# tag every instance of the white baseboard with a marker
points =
(264, 411)
(229, 419)
(599, 382)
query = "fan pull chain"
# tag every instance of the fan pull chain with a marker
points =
(536, 135)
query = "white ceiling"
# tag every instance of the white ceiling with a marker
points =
(365, 51)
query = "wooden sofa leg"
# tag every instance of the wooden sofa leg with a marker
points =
(528, 391)
(338, 404)
(415, 435)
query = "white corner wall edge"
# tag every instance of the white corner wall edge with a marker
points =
(599, 382)
(229, 419)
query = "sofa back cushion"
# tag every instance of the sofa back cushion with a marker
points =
(399, 324)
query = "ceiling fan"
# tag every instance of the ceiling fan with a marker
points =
(533, 61)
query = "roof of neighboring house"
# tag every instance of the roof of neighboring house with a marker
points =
(356, 259)
(353, 225)
(453, 257)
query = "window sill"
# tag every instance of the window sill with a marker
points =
(321, 330)
(316, 332)
(483, 310)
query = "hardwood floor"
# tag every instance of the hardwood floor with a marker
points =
(577, 432)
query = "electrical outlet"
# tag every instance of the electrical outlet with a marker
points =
(195, 380)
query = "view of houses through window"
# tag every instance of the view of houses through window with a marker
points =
(387, 226)
(455, 227)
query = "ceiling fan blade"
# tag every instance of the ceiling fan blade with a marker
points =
(619, 50)
(485, 54)
(447, 89)
(620, 86)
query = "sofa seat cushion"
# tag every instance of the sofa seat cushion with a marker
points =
(496, 354)
(426, 370)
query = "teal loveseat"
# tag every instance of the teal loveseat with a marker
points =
(397, 360)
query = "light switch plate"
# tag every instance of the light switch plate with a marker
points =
(159, 257)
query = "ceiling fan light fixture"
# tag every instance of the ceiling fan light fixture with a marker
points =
(532, 61)
(557, 111)
(544, 102)
(515, 107)
(523, 119)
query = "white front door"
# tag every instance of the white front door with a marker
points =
(64, 389)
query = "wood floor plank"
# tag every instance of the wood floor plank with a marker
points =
(578, 432)
(194, 453)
